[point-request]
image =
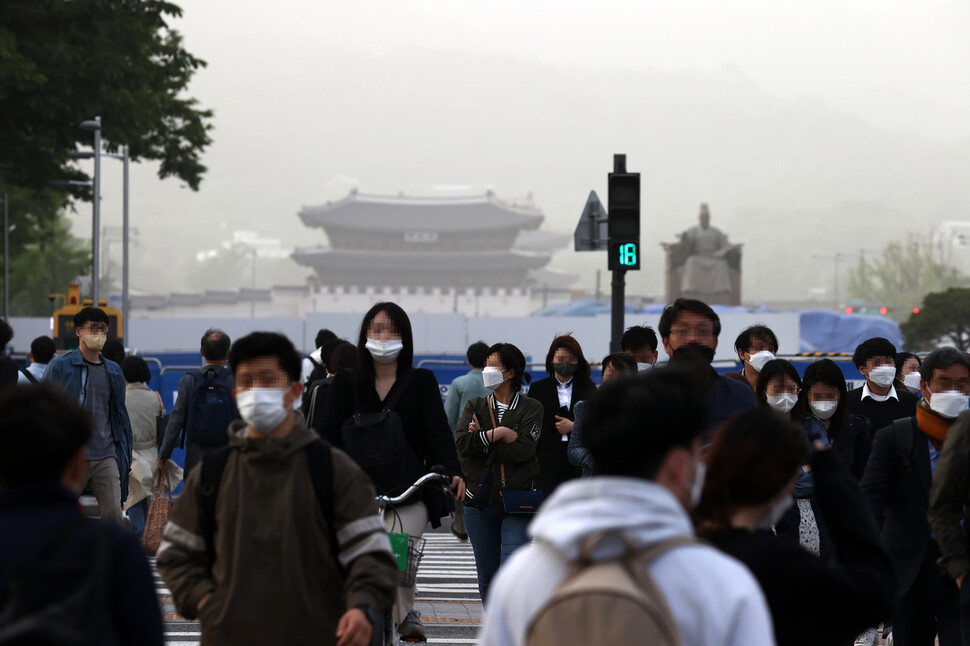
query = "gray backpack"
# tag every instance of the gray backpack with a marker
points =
(608, 602)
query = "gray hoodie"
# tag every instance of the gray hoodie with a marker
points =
(714, 598)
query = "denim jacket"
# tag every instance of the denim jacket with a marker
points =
(71, 372)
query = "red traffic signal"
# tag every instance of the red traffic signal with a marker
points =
(849, 310)
(915, 310)
(884, 310)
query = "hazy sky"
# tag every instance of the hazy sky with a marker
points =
(287, 127)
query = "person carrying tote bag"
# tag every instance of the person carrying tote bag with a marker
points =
(496, 438)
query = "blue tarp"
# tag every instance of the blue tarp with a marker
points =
(821, 330)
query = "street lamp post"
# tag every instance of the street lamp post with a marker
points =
(94, 126)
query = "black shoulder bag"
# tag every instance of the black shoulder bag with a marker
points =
(377, 443)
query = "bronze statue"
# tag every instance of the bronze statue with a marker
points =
(704, 265)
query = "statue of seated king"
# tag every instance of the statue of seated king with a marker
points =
(704, 265)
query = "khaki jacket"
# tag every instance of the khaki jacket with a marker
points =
(521, 465)
(274, 579)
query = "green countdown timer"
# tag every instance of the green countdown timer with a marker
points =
(624, 255)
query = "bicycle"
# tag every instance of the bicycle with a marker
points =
(412, 550)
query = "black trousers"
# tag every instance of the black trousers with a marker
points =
(931, 607)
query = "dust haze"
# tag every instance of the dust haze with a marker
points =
(828, 127)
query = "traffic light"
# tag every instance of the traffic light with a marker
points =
(623, 225)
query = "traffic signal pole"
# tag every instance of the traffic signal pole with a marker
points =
(623, 227)
(619, 309)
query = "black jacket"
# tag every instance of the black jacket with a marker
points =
(554, 466)
(854, 444)
(422, 414)
(32, 516)
(898, 492)
(816, 601)
(882, 414)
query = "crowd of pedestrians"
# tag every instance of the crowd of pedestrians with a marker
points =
(672, 505)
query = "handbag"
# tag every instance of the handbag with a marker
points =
(158, 511)
(514, 501)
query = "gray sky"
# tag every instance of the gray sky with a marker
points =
(306, 91)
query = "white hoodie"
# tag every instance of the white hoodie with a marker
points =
(714, 598)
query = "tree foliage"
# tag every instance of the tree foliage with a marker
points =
(62, 62)
(44, 257)
(944, 318)
(901, 277)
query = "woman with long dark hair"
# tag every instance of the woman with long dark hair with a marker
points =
(496, 438)
(568, 382)
(751, 466)
(414, 434)
(823, 402)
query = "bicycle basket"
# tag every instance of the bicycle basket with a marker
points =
(408, 556)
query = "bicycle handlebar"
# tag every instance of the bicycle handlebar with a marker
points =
(423, 480)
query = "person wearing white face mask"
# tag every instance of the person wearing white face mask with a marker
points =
(778, 389)
(99, 385)
(644, 487)
(756, 346)
(904, 462)
(907, 372)
(749, 488)
(415, 430)
(823, 402)
(301, 556)
(877, 399)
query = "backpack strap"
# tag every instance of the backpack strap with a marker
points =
(26, 373)
(320, 462)
(312, 408)
(213, 465)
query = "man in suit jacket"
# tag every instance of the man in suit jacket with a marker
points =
(877, 399)
(897, 483)
(689, 329)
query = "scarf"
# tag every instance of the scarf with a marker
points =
(932, 425)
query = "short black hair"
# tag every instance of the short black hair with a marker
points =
(630, 426)
(621, 361)
(113, 350)
(43, 349)
(267, 344)
(41, 429)
(753, 333)
(903, 357)
(215, 345)
(512, 359)
(89, 314)
(136, 370)
(875, 347)
(637, 337)
(477, 354)
(941, 359)
(323, 336)
(772, 369)
(326, 351)
(671, 312)
(343, 357)
(6, 334)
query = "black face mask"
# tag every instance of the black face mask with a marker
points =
(693, 353)
(567, 370)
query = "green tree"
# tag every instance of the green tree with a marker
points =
(65, 61)
(44, 257)
(901, 277)
(943, 318)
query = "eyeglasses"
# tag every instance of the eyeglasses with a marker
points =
(95, 327)
(700, 331)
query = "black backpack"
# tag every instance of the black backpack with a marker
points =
(54, 600)
(319, 462)
(377, 443)
(211, 408)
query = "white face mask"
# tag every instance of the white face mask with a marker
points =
(883, 376)
(949, 403)
(782, 403)
(492, 378)
(262, 408)
(759, 359)
(643, 367)
(384, 351)
(776, 513)
(823, 409)
(697, 488)
(911, 381)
